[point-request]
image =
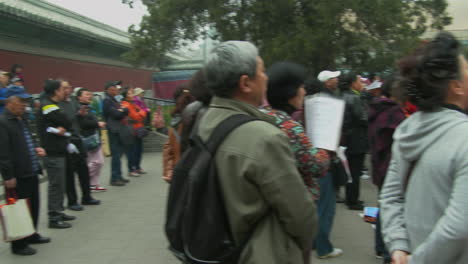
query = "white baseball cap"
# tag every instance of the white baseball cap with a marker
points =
(327, 75)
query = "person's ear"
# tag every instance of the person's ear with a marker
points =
(456, 87)
(244, 84)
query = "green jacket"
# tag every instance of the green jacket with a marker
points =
(263, 192)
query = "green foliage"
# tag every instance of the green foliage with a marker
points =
(321, 34)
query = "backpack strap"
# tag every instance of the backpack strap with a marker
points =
(224, 128)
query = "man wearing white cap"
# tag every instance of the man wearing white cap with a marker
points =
(330, 81)
(326, 205)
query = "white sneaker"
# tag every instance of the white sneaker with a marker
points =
(365, 177)
(335, 253)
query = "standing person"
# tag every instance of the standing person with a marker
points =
(385, 114)
(172, 148)
(19, 163)
(136, 119)
(285, 95)
(89, 127)
(138, 99)
(113, 116)
(354, 135)
(263, 193)
(55, 143)
(4, 82)
(326, 205)
(17, 71)
(76, 162)
(424, 199)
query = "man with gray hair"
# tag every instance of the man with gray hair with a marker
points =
(264, 195)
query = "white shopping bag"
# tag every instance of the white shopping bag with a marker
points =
(16, 220)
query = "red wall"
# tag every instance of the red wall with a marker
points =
(80, 74)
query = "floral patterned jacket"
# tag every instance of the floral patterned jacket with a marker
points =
(312, 162)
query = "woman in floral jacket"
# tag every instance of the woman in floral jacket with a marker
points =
(285, 95)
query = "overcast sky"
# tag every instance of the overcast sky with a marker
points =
(111, 12)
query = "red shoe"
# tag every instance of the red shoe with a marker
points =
(97, 188)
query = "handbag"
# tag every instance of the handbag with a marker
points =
(92, 142)
(16, 220)
(141, 132)
(126, 133)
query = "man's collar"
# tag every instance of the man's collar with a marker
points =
(239, 106)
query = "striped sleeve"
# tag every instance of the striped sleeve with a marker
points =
(47, 109)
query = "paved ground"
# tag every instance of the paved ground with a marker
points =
(128, 228)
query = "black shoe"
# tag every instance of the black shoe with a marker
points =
(356, 207)
(38, 239)
(125, 180)
(59, 225)
(65, 217)
(117, 183)
(75, 207)
(26, 251)
(90, 201)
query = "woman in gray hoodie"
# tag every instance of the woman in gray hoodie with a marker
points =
(424, 200)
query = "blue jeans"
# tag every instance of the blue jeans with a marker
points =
(134, 155)
(326, 207)
(117, 149)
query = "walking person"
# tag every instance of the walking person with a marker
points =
(113, 116)
(76, 162)
(53, 125)
(89, 130)
(19, 162)
(264, 196)
(354, 135)
(424, 199)
(136, 120)
(285, 95)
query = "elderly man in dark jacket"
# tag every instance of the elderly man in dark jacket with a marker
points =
(19, 163)
(113, 115)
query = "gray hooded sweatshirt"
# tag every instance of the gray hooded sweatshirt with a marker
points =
(430, 219)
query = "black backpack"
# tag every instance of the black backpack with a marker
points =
(197, 226)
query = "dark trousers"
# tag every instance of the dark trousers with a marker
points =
(117, 149)
(356, 162)
(134, 155)
(380, 247)
(28, 188)
(77, 164)
(326, 207)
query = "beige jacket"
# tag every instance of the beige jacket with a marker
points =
(262, 188)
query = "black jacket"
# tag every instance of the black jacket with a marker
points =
(15, 161)
(112, 115)
(88, 124)
(51, 115)
(354, 133)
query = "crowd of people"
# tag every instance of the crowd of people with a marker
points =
(277, 184)
(278, 189)
(69, 142)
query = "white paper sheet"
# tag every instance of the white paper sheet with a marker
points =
(324, 118)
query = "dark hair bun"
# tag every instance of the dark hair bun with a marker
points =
(427, 72)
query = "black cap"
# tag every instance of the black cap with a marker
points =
(112, 83)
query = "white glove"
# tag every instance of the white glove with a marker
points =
(72, 149)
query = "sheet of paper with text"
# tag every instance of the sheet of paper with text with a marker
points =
(324, 118)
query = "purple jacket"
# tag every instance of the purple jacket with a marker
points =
(384, 117)
(139, 102)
